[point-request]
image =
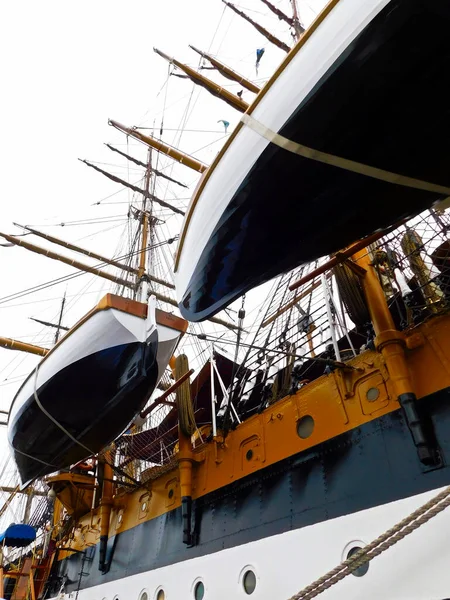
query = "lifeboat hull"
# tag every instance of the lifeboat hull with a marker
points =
(86, 391)
(365, 85)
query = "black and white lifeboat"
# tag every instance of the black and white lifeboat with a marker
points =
(89, 387)
(348, 137)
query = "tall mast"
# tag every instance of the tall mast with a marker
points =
(143, 287)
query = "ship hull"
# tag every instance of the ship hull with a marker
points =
(364, 86)
(292, 522)
(286, 563)
(87, 390)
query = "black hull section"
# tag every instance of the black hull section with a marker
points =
(369, 466)
(381, 104)
(94, 399)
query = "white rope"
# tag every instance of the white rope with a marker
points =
(342, 163)
(57, 423)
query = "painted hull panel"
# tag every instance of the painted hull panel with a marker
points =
(93, 399)
(414, 569)
(363, 87)
(87, 390)
(294, 521)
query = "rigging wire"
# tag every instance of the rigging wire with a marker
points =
(68, 277)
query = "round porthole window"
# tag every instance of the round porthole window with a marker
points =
(305, 427)
(143, 596)
(372, 394)
(160, 595)
(199, 590)
(249, 582)
(362, 570)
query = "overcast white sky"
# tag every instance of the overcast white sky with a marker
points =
(66, 68)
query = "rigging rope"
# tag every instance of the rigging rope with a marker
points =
(382, 543)
(55, 421)
(185, 409)
(227, 415)
(351, 294)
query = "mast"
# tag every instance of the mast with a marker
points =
(144, 239)
(274, 40)
(227, 72)
(180, 157)
(212, 87)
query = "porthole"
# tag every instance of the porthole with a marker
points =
(372, 394)
(170, 496)
(199, 590)
(362, 570)
(249, 454)
(249, 582)
(160, 594)
(143, 596)
(305, 427)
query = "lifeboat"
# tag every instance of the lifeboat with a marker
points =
(348, 137)
(89, 387)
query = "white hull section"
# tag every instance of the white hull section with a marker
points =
(104, 329)
(414, 569)
(167, 342)
(337, 31)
